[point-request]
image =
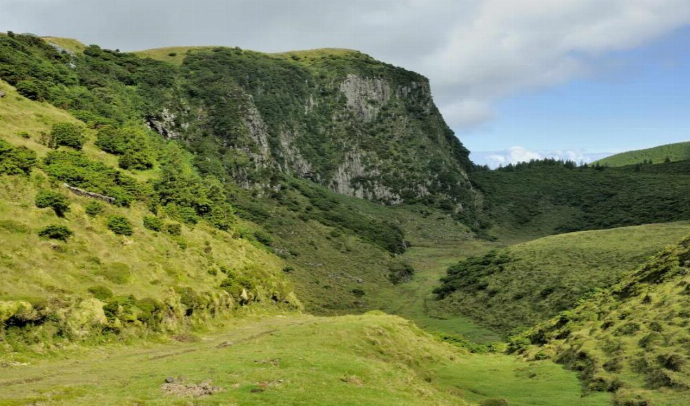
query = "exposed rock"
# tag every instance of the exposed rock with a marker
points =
(82, 192)
(2, 94)
(164, 124)
(365, 96)
(178, 388)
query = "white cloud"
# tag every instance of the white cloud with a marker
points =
(517, 154)
(474, 51)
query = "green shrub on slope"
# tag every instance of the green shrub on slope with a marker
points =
(15, 160)
(56, 201)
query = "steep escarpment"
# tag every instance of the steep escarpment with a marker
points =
(339, 118)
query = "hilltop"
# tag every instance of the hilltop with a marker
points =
(664, 153)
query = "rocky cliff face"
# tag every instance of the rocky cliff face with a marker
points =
(355, 125)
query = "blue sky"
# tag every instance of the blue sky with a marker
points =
(635, 99)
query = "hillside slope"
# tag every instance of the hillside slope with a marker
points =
(513, 288)
(339, 118)
(631, 339)
(546, 197)
(664, 153)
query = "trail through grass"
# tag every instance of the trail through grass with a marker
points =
(293, 360)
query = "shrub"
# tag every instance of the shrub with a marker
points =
(263, 237)
(400, 272)
(75, 169)
(15, 160)
(93, 208)
(61, 233)
(358, 292)
(131, 144)
(153, 223)
(67, 134)
(120, 225)
(109, 139)
(173, 228)
(101, 292)
(54, 200)
(32, 89)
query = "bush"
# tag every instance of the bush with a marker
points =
(101, 292)
(33, 90)
(400, 272)
(263, 237)
(358, 292)
(54, 200)
(173, 229)
(120, 225)
(93, 208)
(61, 233)
(131, 144)
(68, 135)
(15, 160)
(153, 223)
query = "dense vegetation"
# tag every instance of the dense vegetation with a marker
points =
(632, 339)
(543, 197)
(543, 277)
(663, 153)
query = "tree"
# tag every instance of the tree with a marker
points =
(54, 200)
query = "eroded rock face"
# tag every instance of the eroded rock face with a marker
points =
(365, 96)
(367, 130)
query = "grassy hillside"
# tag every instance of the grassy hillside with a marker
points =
(664, 153)
(351, 360)
(631, 339)
(513, 288)
(547, 197)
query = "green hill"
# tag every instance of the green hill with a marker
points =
(632, 339)
(546, 197)
(513, 288)
(664, 153)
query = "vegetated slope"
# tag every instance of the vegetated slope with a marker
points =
(298, 360)
(339, 118)
(631, 339)
(545, 197)
(513, 288)
(114, 94)
(78, 268)
(664, 153)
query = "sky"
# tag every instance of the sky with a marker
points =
(515, 79)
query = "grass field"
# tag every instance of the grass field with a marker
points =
(294, 360)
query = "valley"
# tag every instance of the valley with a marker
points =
(218, 226)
